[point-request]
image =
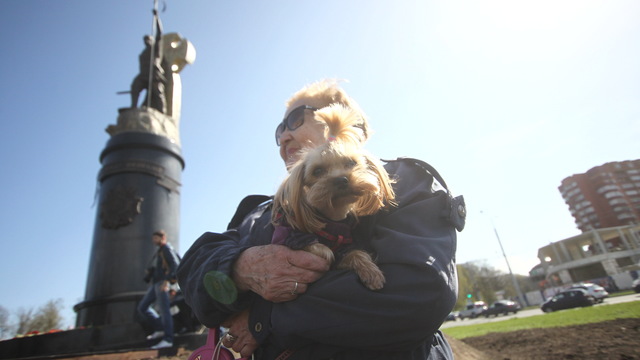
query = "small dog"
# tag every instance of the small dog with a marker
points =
(326, 191)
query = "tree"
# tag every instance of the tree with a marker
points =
(5, 327)
(481, 281)
(24, 320)
(46, 318)
(465, 287)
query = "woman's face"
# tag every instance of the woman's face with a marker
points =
(310, 134)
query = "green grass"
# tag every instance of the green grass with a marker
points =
(556, 319)
(622, 293)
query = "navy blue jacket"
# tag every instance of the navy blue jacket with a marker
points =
(166, 263)
(414, 244)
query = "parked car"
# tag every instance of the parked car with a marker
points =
(474, 310)
(502, 307)
(453, 316)
(597, 291)
(636, 285)
(568, 299)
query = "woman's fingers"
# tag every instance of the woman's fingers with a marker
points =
(272, 271)
(239, 338)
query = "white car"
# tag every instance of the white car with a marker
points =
(597, 291)
(473, 310)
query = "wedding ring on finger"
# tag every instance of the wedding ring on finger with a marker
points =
(295, 288)
(230, 338)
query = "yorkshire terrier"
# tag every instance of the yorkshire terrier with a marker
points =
(319, 203)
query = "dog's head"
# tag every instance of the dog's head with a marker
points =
(335, 179)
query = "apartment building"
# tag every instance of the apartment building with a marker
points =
(605, 204)
(605, 196)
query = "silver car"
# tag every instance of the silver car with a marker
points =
(597, 291)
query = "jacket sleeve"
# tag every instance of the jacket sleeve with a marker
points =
(415, 244)
(171, 258)
(204, 274)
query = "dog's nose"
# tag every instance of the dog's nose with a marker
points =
(341, 181)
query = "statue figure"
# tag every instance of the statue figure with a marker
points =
(163, 58)
(152, 76)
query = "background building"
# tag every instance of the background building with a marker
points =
(605, 203)
(592, 256)
(609, 257)
(605, 196)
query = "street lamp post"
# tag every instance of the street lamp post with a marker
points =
(513, 278)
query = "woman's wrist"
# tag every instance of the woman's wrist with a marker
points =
(239, 268)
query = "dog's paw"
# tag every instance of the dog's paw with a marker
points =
(372, 278)
(321, 250)
(368, 272)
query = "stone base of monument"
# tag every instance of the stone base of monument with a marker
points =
(145, 120)
(98, 340)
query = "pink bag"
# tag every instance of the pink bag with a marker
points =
(213, 349)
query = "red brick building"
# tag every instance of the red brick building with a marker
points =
(605, 196)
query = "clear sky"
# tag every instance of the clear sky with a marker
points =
(504, 98)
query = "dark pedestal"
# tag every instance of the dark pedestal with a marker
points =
(92, 341)
(139, 192)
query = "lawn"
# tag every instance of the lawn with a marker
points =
(556, 319)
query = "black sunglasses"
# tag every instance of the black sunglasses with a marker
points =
(294, 120)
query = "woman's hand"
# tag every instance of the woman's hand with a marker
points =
(240, 338)
(276, 272)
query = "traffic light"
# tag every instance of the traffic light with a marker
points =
(468, 296)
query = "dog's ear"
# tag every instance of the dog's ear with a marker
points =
(307, 216)
(293, 189)
(279, 203)
(300, 214)
(288, 194)
(372, 202)
(291, 195)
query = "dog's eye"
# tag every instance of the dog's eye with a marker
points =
(319, 171)
(350, 164)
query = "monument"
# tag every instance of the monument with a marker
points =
(139, 192)
(139, 184)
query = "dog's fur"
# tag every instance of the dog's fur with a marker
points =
(335, 180)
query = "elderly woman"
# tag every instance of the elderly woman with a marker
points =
(280, 303)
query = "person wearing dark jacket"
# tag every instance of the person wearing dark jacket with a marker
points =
(162, 274)
(288, 304)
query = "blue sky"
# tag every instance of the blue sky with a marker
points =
(504, 98)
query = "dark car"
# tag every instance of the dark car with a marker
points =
(568, 299)
(636, 285)
(502, 307)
